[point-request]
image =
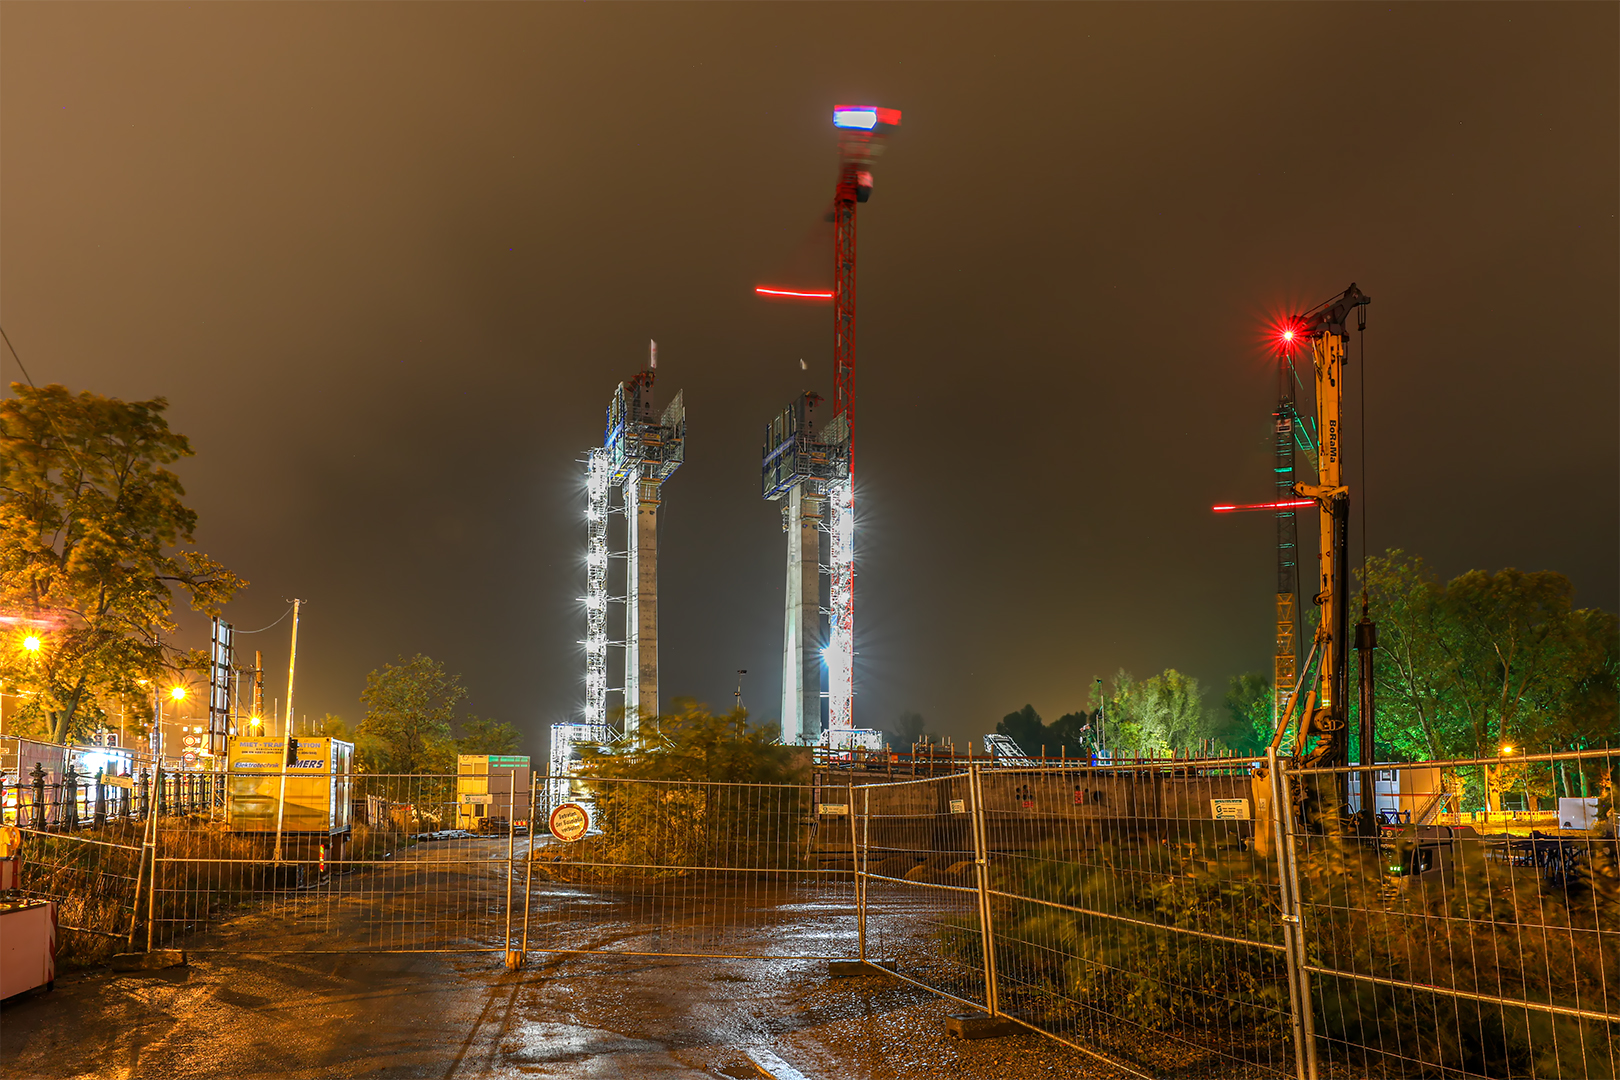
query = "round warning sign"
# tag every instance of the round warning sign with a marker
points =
(570, 821)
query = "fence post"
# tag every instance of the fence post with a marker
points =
(140, 870)
(152, 881)
(855, 871)
(69, 819)
(981, 863)
(1299, 988)
(528, 873)
(146, 794)
(38, 776)
(514, 960)
(162, 795)
(100, 817)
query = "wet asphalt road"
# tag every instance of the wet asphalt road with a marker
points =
(567, 1016)
(573, 1017)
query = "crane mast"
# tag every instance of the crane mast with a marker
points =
(861, 132)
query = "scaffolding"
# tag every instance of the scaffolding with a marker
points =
(641, 448)
(805, 471)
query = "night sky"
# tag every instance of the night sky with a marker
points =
(389, 261)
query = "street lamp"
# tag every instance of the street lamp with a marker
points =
(31, 643)
(178, 693)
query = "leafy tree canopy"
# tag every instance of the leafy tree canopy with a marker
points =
(693, 743)
(909, 729)
(409, 709)
(1158, 715)
(1071, 735)
(485, 736)
(1247, 726)
(94, 541)
(1484, 659)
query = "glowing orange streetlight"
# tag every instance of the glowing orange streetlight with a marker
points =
(31, 643)
(178, 693)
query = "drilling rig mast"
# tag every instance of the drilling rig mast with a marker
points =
(1323, 715)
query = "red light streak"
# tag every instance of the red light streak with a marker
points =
(1286, 504)
(764, 290)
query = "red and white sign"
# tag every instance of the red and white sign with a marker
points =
(569, 822)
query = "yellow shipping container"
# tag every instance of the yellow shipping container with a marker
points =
(318, 785)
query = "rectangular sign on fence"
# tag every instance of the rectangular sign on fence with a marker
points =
(834, 808)
(1229, 809)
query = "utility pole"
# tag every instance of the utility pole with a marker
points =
(738, 695)
(258, 685)
(286, 731)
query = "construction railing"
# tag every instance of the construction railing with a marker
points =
(1218, 917)
(1213, 916)
(682, 868)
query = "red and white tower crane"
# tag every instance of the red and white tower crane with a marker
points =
(813, 471)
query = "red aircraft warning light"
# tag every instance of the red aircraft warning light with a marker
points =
(797, 294)
(1286, 504)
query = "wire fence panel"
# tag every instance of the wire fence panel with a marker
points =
(1130, 919)
(92, 873)
(368, 863)
(920, 897)
(682, 868)
(1488, 947)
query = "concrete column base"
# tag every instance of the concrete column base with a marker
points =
(980, 1026)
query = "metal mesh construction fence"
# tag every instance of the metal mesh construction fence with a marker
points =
(386, 870)
(1489, 947)
(698, 869)
(921, 898)
(1207, 917)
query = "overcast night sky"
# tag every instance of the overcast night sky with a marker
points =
(387, 262)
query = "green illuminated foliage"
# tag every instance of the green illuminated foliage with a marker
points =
(1466, 666)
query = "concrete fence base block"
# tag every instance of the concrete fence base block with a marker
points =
(855, 969)
(980, 1026)
(771, 1067)
(156, 960)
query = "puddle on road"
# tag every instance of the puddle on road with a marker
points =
(533, 1042)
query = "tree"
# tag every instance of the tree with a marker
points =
(727, 794)
(908, 730)
(1487, 659)
(94, 541)
(485, 736)
(333, 727)
(1071, 735)
(1171, 710)
(1248, 727)
(1025, 728)
(409, 709)
(1156, 716)
(693, 743)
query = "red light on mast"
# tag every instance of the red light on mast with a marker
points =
(1286, 504)
(799, 294)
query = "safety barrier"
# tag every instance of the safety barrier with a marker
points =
(1213, 917)
(1181, 917)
